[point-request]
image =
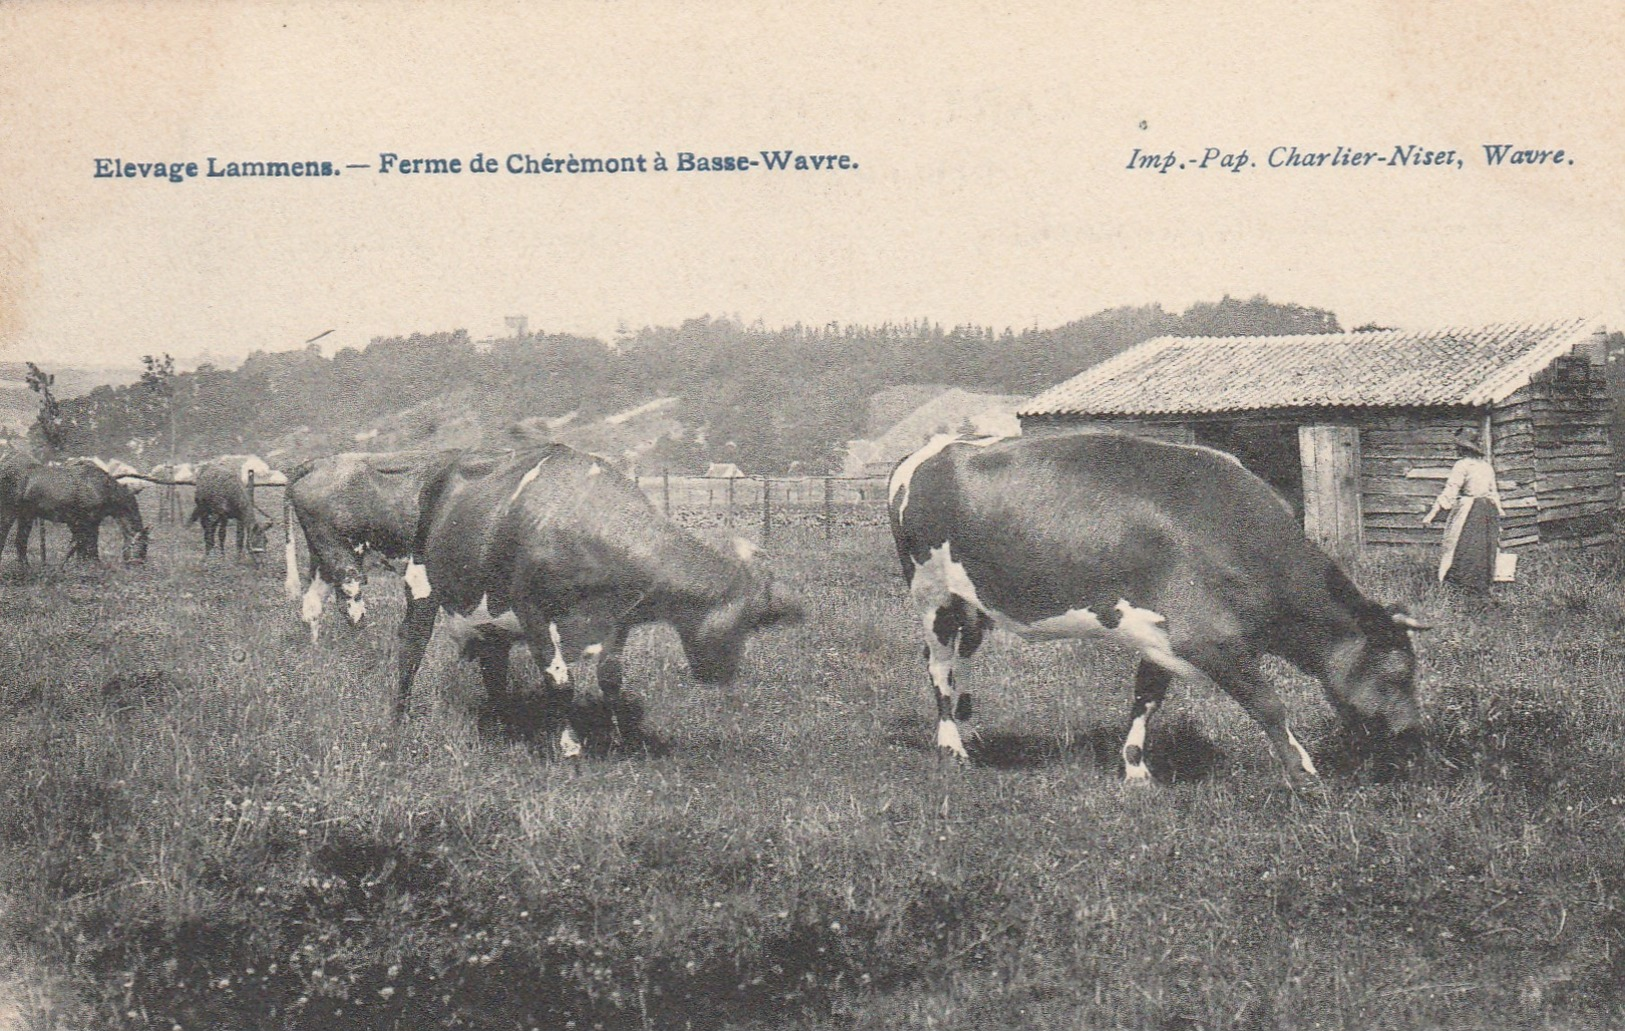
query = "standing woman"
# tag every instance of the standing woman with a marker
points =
(1473, 535)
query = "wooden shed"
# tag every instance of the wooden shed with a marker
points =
(1356, 429)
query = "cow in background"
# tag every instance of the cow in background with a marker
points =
(1175, 550)
(78, 494)
(348, 505)
(124, 472)
(221, 496)
(549, 547)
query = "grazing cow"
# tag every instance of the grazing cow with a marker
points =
(222, 495)
(1175, 550)
(78, 494)
(348, 505)
(551, 547)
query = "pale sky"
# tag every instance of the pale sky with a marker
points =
(991, 147)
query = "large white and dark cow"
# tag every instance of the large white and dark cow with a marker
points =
(552, 548)
(348, 505)
(78, 494)
(1175, 550)
(222, 495)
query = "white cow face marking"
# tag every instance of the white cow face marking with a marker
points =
(596, 470)
(417, 579)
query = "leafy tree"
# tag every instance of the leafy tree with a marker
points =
(158, 381)
(49, 424)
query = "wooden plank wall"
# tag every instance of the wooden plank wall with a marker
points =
(1571, 416)
(1392, 447)
(1514, 446)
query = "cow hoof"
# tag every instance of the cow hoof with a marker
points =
(1137, 777)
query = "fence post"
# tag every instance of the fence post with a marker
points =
(730, 502)
(665, 491)
(767, 510)
(829, 512)
(40, 524)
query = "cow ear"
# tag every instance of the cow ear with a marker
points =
(746, 550)
(1408, 621)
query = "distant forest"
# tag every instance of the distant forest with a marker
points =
(756, 396)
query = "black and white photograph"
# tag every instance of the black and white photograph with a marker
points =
(628, 516)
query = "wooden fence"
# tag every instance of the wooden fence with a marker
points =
(770, 503)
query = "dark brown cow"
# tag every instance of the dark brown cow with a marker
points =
(553, 548)
(220, 496)
(348, 505)
(77, 494)
(1175, 550)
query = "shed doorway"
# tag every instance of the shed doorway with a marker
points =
(1269, 450)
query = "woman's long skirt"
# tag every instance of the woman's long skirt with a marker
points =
(1470, 543)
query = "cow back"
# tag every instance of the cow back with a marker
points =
(1047, 524)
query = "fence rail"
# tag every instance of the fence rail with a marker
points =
(769, 503)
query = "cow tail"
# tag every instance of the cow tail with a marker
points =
(197, 512)
(291, 583)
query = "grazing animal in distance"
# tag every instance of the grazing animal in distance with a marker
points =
(221, 496)
(550, 547)
(1175, 550)
(78, 494)
(348, 505)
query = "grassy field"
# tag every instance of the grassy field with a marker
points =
(208, 823)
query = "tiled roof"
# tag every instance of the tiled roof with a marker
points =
(1393, 368)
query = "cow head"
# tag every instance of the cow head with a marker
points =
(1373, 678)
(714, 642)
(135, 548)
(135, 533)
(257, 531)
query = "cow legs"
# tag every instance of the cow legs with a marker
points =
(1246, 684)
(1150, 686)
(493, 657)
(610, 673)
(416, 629)
(310, 608)
(951, 631)
(556, 687)
(25, 526)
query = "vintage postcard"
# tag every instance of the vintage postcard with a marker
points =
(744, 515)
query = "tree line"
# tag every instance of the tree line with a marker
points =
(761, 397)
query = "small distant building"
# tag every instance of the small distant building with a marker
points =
(1356, 430)
(723, 471)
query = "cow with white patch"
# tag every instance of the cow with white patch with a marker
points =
(552, 548)
(349, 505)
(1175, 550)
